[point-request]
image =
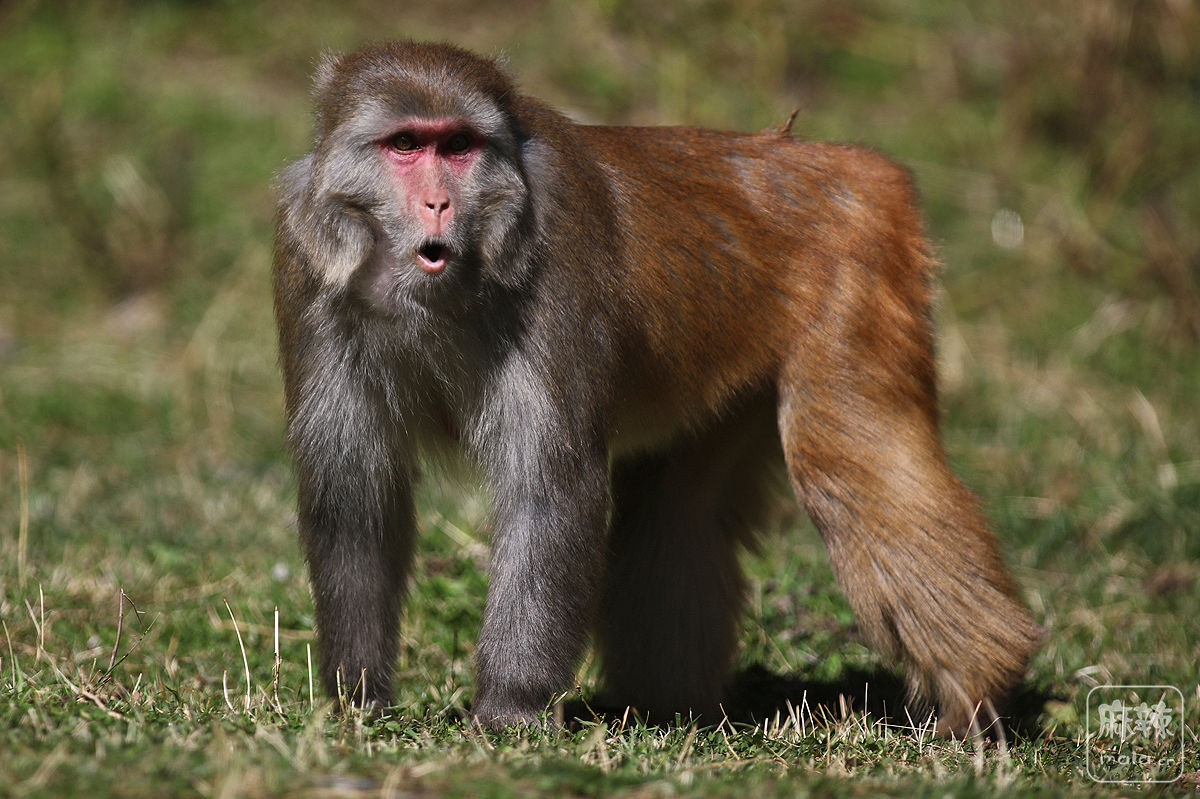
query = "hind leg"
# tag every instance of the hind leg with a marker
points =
(907, 540)
(674, 591)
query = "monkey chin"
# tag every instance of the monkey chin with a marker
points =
(413, 283)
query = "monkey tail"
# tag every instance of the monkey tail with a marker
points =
(785, 129)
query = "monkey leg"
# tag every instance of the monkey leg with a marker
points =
(550, 511)
(359, 551)
(674, 590)
(908, 544)
(356, 520)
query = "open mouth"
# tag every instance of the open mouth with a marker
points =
(432, 256)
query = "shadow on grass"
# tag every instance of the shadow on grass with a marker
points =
(760, 695)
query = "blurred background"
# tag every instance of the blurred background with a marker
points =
(1056, 144)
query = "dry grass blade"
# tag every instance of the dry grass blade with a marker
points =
(245, 661)
(23, 527)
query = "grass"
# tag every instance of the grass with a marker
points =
(146, 504)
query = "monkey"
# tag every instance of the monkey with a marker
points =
(628, 330)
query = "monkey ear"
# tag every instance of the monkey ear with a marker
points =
(327, 68)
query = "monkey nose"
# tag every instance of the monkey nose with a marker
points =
(437, 209)
(437, 213)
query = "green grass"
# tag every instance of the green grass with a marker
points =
(146, 502)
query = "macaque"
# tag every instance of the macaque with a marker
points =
(628, 330)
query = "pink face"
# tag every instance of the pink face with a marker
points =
(430, 158)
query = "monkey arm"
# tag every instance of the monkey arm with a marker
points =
(550, 478)
(355, 501)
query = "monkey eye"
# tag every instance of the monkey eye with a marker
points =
(404, 142)
(458, 143)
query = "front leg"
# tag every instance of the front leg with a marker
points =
(356, 522)
(551, 507)
(358, 535)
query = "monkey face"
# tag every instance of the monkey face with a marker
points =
(410, 195)
(422, 213)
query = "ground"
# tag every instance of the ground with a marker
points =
(155, 624)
